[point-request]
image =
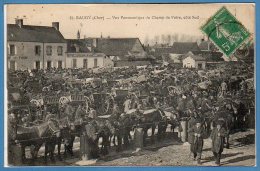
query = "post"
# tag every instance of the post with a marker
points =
(138, 138)
(15, 156)
(84, 148)
(184, 133)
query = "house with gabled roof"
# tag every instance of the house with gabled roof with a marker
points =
(35, 47)
(82, 54)
(194, 61)
(122, 51)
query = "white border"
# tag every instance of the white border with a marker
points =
(5, 92)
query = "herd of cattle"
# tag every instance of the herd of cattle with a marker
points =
(53, 107)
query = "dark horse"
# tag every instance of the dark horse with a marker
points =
(151, 119)
(35, 136)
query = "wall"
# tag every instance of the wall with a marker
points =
(25, 57)
(189, 62)
(102, 60)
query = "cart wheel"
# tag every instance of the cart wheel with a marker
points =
(63, 100)
(106, 105)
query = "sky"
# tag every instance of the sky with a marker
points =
(152, 19)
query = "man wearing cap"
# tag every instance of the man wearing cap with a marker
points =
(218, 135)
(198, 133)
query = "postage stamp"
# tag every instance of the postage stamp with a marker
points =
(225, 31)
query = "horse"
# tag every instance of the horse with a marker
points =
(122, 124)
(65, 132)
(35, 136)
(105, 131)
(151, 119)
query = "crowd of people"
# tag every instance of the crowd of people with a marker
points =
(192, 95)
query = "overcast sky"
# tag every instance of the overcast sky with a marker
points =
(142, 28)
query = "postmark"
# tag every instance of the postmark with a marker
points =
(227, 33)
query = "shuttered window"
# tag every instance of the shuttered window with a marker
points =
(49, 50)
(60, 50)
(12, 49)
(37, 50)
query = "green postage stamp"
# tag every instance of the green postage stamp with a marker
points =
(225, 31)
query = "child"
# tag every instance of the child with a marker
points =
(198, 133)
(218, 137)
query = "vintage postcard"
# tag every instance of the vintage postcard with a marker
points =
(130, 84)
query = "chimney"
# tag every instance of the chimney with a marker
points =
(78, 35)
(94, 42)
(19, 22)
(56, 25)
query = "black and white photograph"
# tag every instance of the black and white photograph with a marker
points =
(130, 85)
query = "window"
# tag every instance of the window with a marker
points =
(37, 50)
(74, 63)
(12, 49)
(95, 63)
(12, 65)
(85, 63)
(48, 64)
(37, 64)
(59, 64)
(60, 50)
(49, 50)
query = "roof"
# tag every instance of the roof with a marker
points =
(184, 47)
(118, 46)
(198, 58)
(30, 33)
(195, 57)
(83, 45)
(210, 56)
(207, 45)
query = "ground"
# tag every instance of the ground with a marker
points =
(172, 152)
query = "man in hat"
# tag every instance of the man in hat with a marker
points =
(198, 133)
(127, 104)
(218, 135)
(224, 88)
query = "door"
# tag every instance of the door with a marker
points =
(48, 64)
(85, 63)
(200, 66)
(60, 64)
(74, 63)
(12, 65)
(38, 65)
(95, 63)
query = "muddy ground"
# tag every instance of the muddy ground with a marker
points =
(170, 152)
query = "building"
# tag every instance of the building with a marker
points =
(81, 54)
(206, 45)
(120, 48)
(194, 61)
(35, 47)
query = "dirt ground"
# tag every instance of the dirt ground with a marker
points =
(169, 152)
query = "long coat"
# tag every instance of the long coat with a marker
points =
(218, 140)
(197, 143)
(191, 124)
